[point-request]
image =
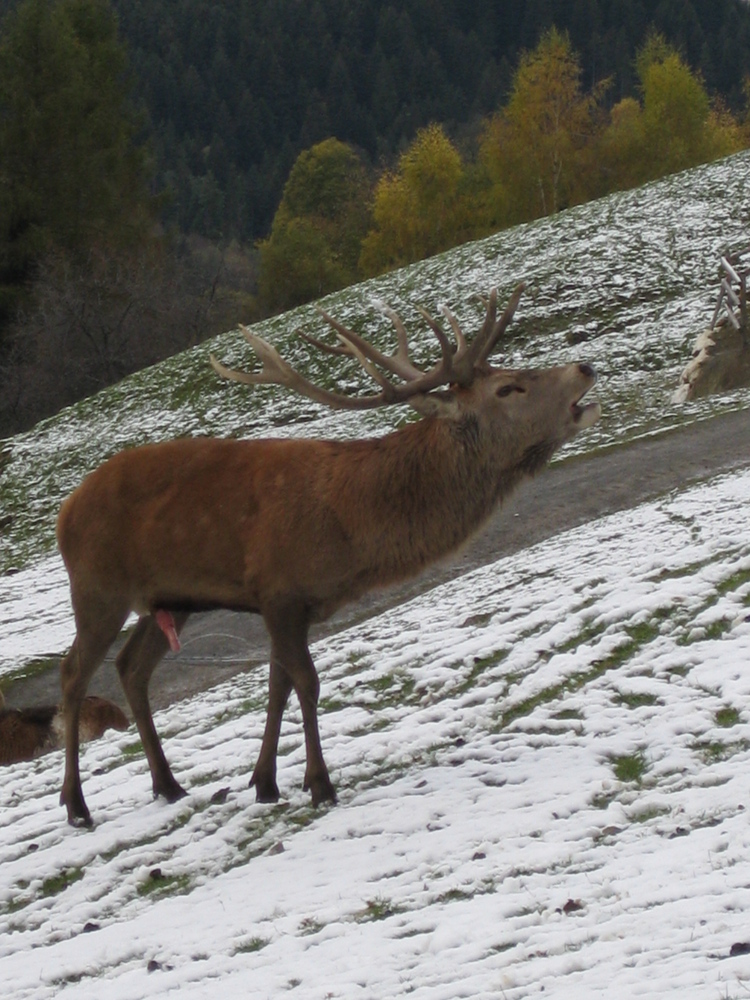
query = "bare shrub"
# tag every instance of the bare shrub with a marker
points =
(90, 322)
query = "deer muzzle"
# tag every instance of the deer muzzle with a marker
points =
(586, 414)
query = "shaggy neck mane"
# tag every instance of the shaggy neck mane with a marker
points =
(425, 490)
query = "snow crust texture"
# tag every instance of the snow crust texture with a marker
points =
(544, 790)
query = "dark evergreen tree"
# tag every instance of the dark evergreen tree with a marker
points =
(71, 172)
(269, 78)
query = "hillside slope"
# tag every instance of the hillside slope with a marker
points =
(630, 279)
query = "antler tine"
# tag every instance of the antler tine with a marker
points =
(397, 364)
(339, 349)
(446, 348)
(407, 368)
(502, 324)
(375, 374)
(485, 341)
(461, 344)
(348, 350)
(466, 361)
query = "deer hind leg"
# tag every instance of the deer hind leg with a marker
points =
(135, 663)
(96, 632)
(290, 655)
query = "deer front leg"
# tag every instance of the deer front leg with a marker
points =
(316, 780)
(135, 664)
(288, 626)
(264, 775)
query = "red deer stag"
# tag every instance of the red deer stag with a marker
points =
(293, 529)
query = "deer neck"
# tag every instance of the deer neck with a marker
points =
(431, 486)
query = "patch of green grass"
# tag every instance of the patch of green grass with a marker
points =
(251, 945)
(571, 714)
(248, 706)
(714, 751)
(718, 628)
(646, 631)
(132, 750)
(629, 767)
(395, 688)
(523, 708)
(455, 895)
(636, 700)
(678, 671)
(19, 900)
(734, 582)
(682, 571)
(158, 884)
(376, 726)
(727, 717)
(304, 816)
(480, 665)
(591, 630)
(33, 668)
(715, 630)
(382, 683)
(57, 883)
(638, 635)
(379, 908)
(572, 683)
(332, 704)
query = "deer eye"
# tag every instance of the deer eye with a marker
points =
(506, 390)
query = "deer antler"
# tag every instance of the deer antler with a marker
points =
(458, 365)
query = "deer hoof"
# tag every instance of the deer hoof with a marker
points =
(81, 822)
(78, 813)
(321, 790)
(172, 791)
(265, 790)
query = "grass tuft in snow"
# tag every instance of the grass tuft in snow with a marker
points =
(630, 767)
(727, 717)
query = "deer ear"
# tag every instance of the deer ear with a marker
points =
(438, 403)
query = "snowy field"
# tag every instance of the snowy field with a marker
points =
(544, 780)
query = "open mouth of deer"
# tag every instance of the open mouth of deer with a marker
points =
(586, 414)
